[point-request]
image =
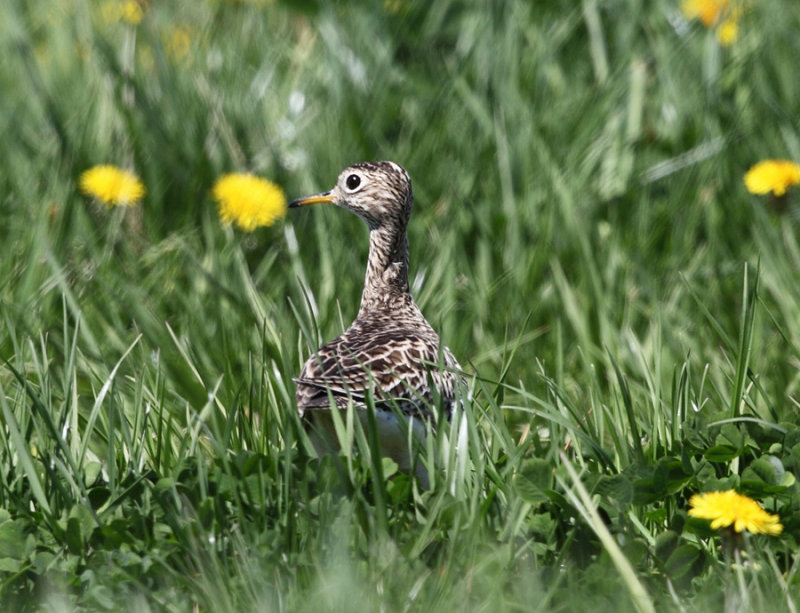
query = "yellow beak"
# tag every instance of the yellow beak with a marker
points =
(324, 197)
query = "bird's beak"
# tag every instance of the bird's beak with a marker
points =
(326, 197)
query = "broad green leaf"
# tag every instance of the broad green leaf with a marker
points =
(666, 543)
(670, 475)
(533, 480)
(722, 453)
(12, 539)
(731, 434)
(761, 471)
(617, 488)
(645, 491)
(681, 560)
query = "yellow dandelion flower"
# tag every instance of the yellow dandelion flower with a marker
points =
(179, 43)
(707, 11)
(248, 201)
(132, 12)
(723, 15)
(774, 176)
(112, 185)
(731, 509)
(129, 11)
(728, 31)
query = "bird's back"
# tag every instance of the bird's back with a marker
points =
(395, 357)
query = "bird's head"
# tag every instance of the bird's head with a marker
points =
(378, 192)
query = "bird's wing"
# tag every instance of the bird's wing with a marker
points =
(393, 365)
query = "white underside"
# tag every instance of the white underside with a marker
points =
(393, 434)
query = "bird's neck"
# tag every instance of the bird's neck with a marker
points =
(387, 268)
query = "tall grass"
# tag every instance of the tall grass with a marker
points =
(626, 312)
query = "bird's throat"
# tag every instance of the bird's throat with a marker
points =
(387, 267)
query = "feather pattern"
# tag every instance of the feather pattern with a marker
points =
(390, 351)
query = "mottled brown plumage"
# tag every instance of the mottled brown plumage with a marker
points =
(390, 350)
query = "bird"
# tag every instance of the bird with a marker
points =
(390, 355)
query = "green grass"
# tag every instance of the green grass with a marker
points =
(628, 314)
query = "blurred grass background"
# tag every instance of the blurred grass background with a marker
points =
(582, 239)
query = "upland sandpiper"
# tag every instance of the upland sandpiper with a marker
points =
(390, 353)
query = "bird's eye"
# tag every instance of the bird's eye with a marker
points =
(353, 181)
